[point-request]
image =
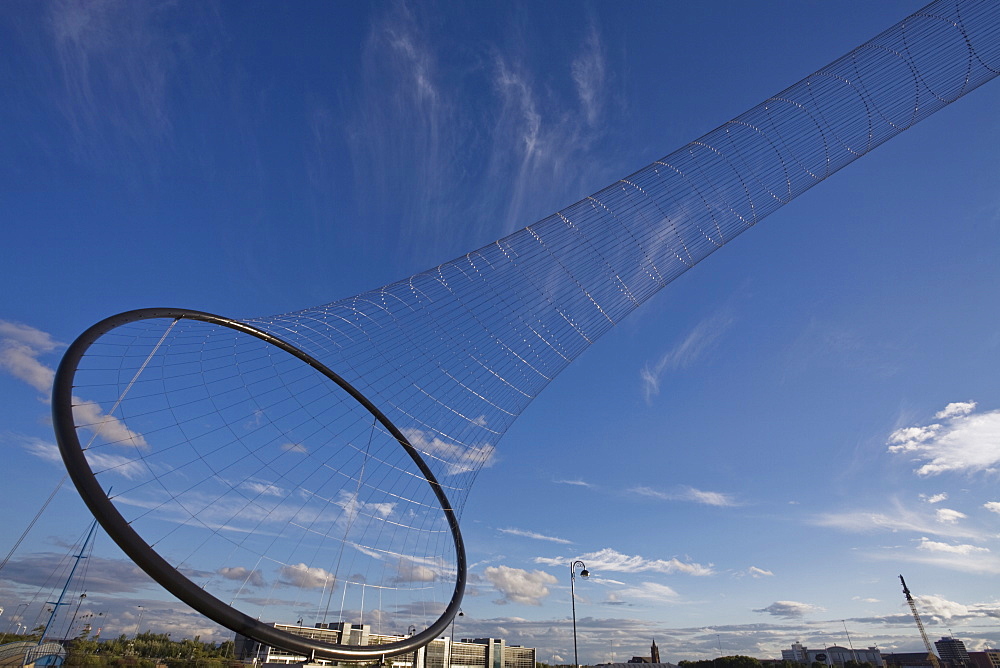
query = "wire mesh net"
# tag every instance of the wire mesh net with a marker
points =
(275, 489)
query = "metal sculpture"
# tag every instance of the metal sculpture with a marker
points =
(327, 453)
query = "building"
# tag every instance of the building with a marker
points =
(952, 651)
(989, 658)
(907, 660)
(654, 656)
(834, 655)
(440, 653)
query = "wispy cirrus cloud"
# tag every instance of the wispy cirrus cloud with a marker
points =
(963, 442)
(610, 559)
(403, 136)
(589, 73)
(116, 63)
(536, 536)
(898, 517)
(948, 552)
(689, 351)
(578, 483)
(962, 558)
(688, 494)
(533, 130)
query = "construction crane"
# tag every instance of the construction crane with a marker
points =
(920, 625)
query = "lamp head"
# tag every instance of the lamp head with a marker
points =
(584, 573)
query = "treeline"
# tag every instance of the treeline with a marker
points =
(146, 650)
(738, 661)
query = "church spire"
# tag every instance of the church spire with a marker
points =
(654, 653)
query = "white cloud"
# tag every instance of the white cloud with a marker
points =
(578, 483)
(305, 577)
(264, 489)
(588, 74)
(294, 447)
(967, 443)
(20, 347)
(949, 516)
(649, 591)
(955, 409)
(755, 572)
(242, 574)
(898, 518)
(689, 494)
(790, 609)
(536, 536)
(935, 546)
(458, 458)
(29, 336)
(354, 507)
(698, 341)
(408, 570)
(519, 586)
(936, 606)
(936, 498)
(100, 462)
(909, 438)
(609, 559)
(992, 506)
(90, 416)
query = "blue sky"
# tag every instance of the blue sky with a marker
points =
(747, 461)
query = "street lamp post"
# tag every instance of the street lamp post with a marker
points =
(572, 594)
(451, 647)
(14, 616)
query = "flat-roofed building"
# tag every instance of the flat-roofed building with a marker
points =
(835, 655)
(440, 653)
(952, 651)
(989, 658)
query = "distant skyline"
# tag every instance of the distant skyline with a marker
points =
(747, 461)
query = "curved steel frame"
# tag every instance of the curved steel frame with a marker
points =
(166, 575)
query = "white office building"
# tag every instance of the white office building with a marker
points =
(832, 656)
(440, 653)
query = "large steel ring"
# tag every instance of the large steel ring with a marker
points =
(169, 577)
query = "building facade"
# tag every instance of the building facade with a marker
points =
(440, 653)
(952, 651)
(989, 658)
(834, 655)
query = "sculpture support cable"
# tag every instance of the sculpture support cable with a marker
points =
(262, 482)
